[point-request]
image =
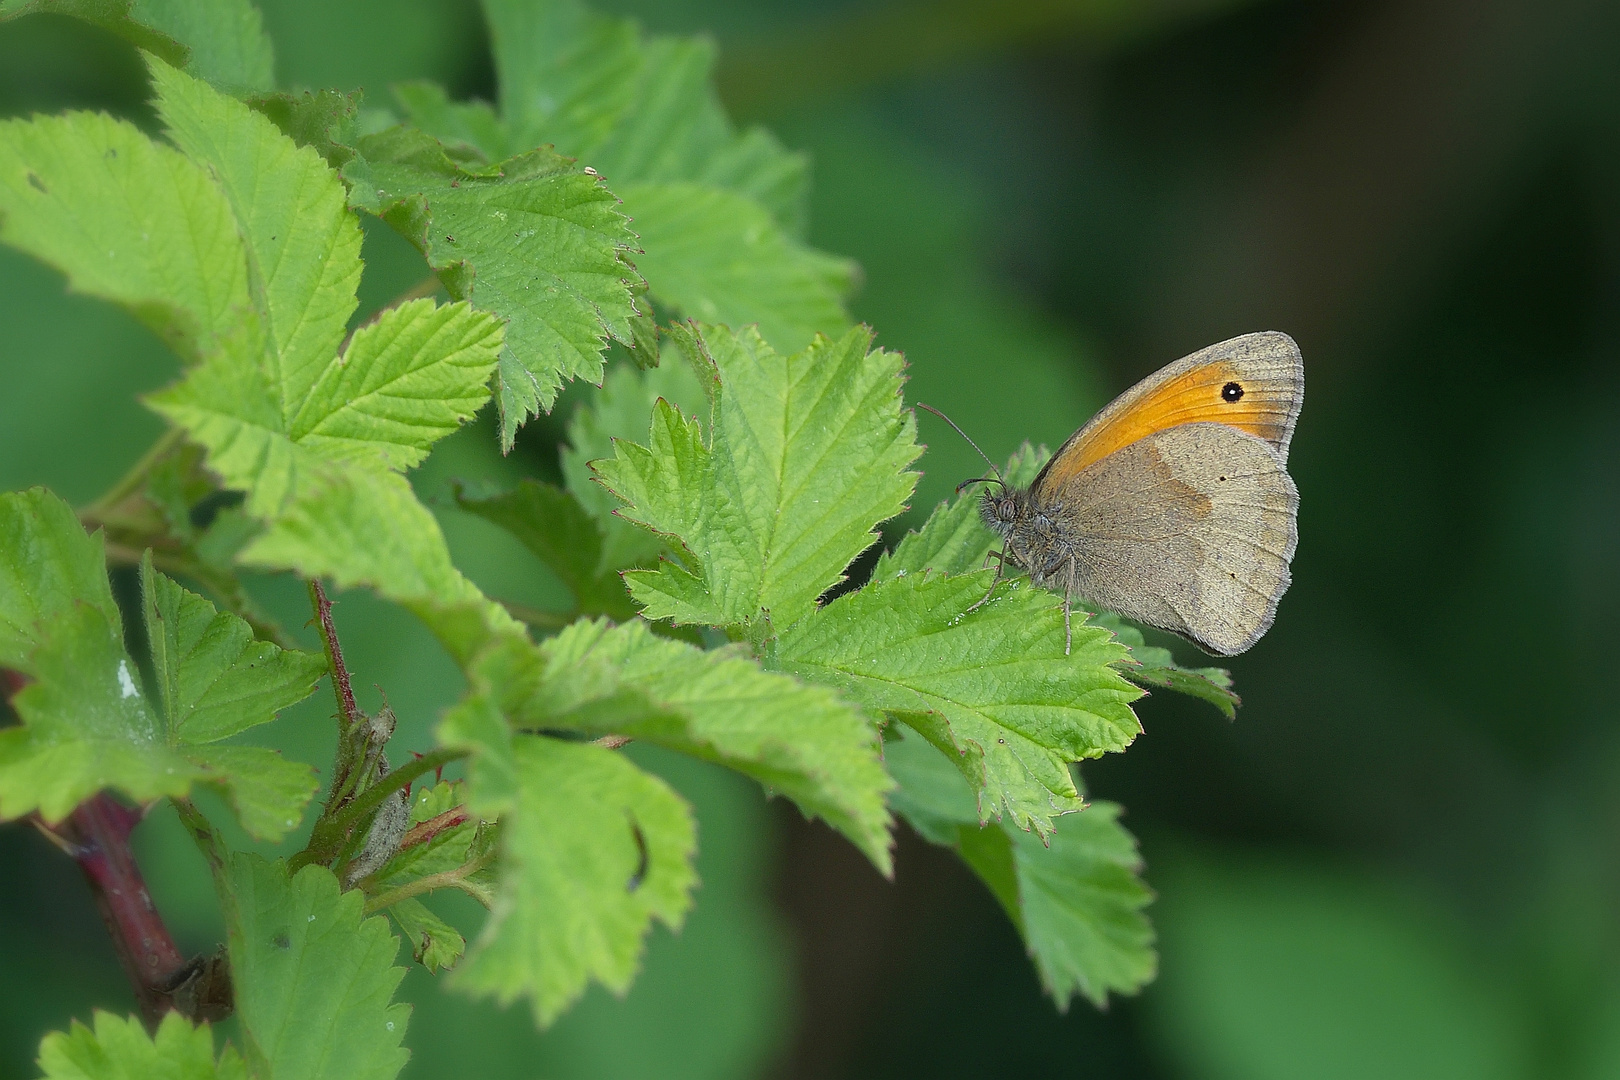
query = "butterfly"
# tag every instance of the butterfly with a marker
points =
(1172, 506)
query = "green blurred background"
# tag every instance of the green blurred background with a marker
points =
(1403, 858)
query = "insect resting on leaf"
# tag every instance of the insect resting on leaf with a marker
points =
(1172, 506)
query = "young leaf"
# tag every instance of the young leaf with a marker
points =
(622, 409)
(319, 470)
(1077, 899)
(87, 724)
(303, 244)
(119, 1049)
(222, 41)
(592, 851)
(992, 688)
(313, 977)
(805, 455)
(435, 944)
(799, 740)
(131, 221)
(534, 239)
(718, 212)
(551, 523)
(444, 852)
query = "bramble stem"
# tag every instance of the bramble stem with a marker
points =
(348, 713)
(97, 833)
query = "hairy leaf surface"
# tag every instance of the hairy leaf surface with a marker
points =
(534, 239)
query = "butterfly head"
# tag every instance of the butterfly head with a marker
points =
(1002, 508)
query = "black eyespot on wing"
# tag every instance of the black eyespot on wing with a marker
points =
(1231, 391)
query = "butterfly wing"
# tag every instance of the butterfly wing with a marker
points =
(1269, 380)
(1190, 529)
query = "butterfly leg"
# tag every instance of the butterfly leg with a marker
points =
(1001, 564)
(1068, 591)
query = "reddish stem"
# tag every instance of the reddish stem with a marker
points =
(98, 831)
(422, 832)
(334, 655)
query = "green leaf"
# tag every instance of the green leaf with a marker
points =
(313, 977)
(1077, 899)
(805, 455)
(535, 239)
(131, 221)
(120, 1049)
(320, 473)
(326, 121)
(222, 41)
(636, 109)
(86, 723)
(213, 679)
(247, 268)
(718, 257)
(303, 244)
(551, 523)
(435, 944)
(592, 851)
(991, 687)
(622, 409)
(1082, 902)
(799, 740)
(446, 851)
(1152, 665)
(718, 211)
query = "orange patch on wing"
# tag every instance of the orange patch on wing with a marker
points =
(1195, 397)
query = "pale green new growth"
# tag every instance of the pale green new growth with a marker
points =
(802, 457)
(593, 850)
(120, 1049)
(434, 943)
(799, 740)
(992, 688)
(87, 723)
(313, 976)
(534, 239)
(1077, 899)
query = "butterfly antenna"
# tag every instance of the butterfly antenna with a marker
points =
(970, 442)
